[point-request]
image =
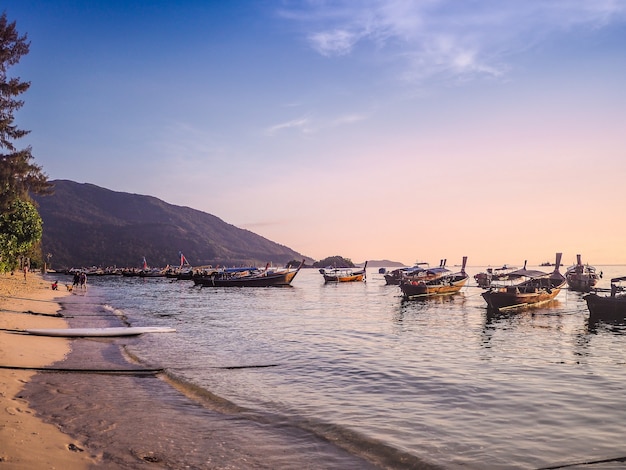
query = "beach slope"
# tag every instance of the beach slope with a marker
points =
(26, 442)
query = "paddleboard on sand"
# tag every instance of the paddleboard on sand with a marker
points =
(114, 331)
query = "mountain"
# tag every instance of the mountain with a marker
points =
(86, 225)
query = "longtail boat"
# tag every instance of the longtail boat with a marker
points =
(442, 281)
(581, 277)
(332, 275)
(536, 287)
(611, 307)
(247, 277)
(393, 278)
(485, 278)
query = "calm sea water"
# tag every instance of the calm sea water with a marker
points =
(438, 379)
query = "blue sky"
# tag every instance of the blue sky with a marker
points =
(403, 130)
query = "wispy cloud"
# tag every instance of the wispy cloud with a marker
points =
(348, 119)
(446, 37)
(302, 124)
(334, 43)
(307, 125)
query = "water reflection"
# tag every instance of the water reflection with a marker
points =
(597, 326)
(550, 323)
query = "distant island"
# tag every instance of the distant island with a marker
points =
(385, 263)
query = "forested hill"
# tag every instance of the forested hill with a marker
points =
(86, 225)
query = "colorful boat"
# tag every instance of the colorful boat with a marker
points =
(581, 277)
(536, 287)
(439, 281)
(332, 275)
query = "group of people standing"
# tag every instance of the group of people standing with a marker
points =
(80, 280)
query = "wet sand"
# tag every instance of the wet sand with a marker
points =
(26, 441)
(109, 412)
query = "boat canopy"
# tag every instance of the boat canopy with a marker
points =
(240, 269)
(413, 270)
(618, 279)
(527, 273)
(438, 270)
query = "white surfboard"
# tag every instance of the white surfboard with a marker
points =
(112, 331)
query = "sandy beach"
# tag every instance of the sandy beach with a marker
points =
(26, 442)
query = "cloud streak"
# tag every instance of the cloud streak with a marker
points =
(306, 125)
(300, 124)
(444, 37)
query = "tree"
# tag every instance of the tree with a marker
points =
(20, 223)
(19, 175)
(21, 228)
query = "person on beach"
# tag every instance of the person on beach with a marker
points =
(55, 285)
(76, 280)
(83, 280)
(25, 271)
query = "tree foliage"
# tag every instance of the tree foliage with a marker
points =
(20, 225)
(21, 228)
(19, 175)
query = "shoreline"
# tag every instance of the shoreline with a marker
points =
(27, 441)
(127, 420)
(102, 408)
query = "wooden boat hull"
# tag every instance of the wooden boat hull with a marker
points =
(352, 278)
(414, 289)
(581, 283)
(269, 280)
(334, 275)
(393, 278)
(606, 308)
(581, 277)
(437, 282)
(511, 297)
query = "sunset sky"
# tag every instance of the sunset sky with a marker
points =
(401, 130)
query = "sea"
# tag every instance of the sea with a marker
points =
(389, 383)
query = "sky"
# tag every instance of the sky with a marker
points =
(400, 130)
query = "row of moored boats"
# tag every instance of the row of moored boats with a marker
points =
(504, 288)
(508, 287)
